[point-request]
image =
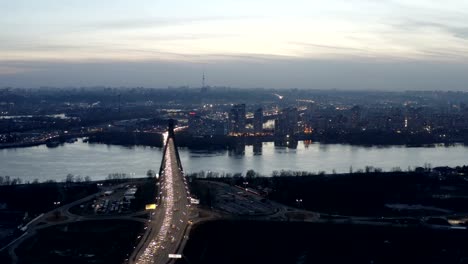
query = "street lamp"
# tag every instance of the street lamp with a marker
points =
(245, 185)
(299, 202)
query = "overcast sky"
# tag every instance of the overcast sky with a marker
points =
(352, 44)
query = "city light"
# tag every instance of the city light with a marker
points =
(150, 206)
(165, 136)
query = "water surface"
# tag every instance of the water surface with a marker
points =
(98, 160)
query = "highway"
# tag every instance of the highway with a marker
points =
(167, 225)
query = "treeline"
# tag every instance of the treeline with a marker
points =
(7, 180)
(427, 168)
(69, 178)
(284, 173)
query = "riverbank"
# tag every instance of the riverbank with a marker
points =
(361, 138)
(236, 143)
(423, 192)
(49, 140)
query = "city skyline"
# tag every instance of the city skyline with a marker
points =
(385, 45)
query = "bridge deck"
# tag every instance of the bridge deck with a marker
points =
(167, 225)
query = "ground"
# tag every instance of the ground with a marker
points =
(107, 241)
(295, 242)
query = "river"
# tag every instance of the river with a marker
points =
(98, 160)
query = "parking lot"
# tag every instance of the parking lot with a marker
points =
(109, 202)
(238, 201)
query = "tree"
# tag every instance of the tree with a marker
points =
(250, 174)
(16, 181)
(150, 174)
(428, 167)
(70, 178)
(7, 180)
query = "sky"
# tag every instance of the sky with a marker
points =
(352, 44)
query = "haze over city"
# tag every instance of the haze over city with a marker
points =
(358, 45)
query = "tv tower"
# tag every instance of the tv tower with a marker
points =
(203, 80)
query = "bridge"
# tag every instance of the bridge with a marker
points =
(167, 225)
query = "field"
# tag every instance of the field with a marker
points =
(82, 242)
(281, 242)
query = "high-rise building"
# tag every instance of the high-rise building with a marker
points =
(217, 127)
(355, 117)
(237, 119)
(258, 121)
(287, 122)
(195, 124)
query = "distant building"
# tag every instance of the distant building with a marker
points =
(215, 127)
(258, 121)
(287, 123)
(195, 124)
(355, 117)
(202, 126)
(237, 119)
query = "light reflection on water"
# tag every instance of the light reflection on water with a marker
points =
(98, 160)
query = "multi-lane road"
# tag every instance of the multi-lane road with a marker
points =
(167, 225)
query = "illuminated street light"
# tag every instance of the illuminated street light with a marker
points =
(299, 202)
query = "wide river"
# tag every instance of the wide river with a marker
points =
(98, 160)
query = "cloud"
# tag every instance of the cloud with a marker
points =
(187, 36)
(156, 22)
(320, 46)
(460, 32)
(456, 31)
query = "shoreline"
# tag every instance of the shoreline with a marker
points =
(199, 143)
